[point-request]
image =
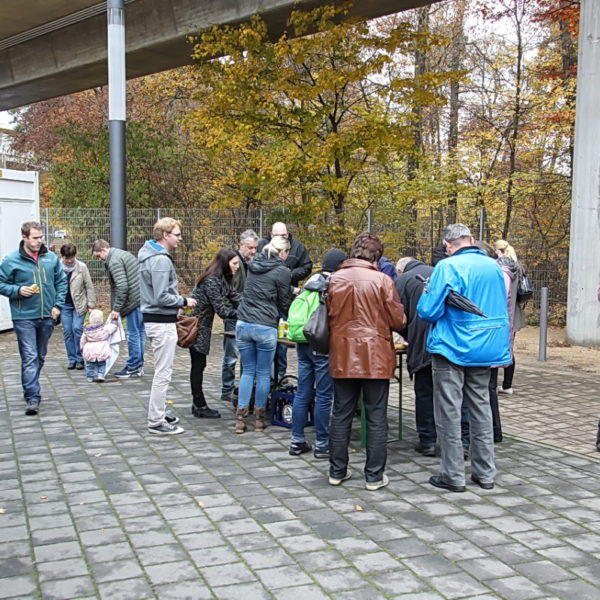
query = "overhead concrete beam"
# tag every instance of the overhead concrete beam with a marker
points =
(73, 58)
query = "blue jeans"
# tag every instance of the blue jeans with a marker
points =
(313, 370)
(72, 329)
(281, 360)
(32, 338)
(95, 368)
(136, 340)
(256, 344)
(230, 358)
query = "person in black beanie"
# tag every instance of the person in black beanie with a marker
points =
(313, 368)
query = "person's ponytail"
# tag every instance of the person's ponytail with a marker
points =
(276, 245)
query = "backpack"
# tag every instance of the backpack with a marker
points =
(300, 311)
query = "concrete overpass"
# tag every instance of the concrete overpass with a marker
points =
(51, 48)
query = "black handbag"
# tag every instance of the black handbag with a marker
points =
(525, 288)
(316, 330)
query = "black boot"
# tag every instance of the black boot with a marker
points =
(205, 412)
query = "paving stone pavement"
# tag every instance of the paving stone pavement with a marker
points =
(91, 506)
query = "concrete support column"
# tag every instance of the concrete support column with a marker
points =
(583, 308)
(117, 123)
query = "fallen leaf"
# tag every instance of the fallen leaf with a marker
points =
(201, 504)
(358, 507)
(99, 454)
(170, 402)
(43, 497)
(2, 511)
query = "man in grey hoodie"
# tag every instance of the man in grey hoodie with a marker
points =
(160, 303)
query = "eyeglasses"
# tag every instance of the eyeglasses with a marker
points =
(175, 234)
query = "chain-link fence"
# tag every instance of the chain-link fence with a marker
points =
(408, 232)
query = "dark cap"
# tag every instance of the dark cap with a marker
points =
(332, 260)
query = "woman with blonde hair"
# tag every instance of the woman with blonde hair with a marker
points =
(507, 258)
(503, 248)
(267, 294)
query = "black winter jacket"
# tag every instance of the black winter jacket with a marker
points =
(298, 260)
(213, 295)
(267, 293)
(410, 290)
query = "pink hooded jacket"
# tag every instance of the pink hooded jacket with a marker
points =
(94, 344)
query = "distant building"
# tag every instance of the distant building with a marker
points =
(9, 159)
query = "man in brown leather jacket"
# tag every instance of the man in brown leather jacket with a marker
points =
(363, 308)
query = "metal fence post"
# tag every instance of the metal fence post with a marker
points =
(158, 214)
(260, 223)
(543, 323)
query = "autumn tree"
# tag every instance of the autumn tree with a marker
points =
(310, 116)
(69, 136)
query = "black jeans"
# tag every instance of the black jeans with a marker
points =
(424, 417)
(196, 377)
(509, 373)
(375, 398)
(494, 404)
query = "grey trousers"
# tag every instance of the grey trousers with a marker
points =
(163, 337)
(453, 385)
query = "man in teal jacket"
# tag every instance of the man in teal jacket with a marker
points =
(35, 283)
(463, 347)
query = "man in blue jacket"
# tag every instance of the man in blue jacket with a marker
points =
(35, 284)
(463, 347)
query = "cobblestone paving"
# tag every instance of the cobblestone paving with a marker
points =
(93, 507)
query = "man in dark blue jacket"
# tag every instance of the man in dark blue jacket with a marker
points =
(463, 347)
(35, 283)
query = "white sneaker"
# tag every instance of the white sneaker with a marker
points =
(501, 390)
(166, 429)
(334, 481)
(372, 486)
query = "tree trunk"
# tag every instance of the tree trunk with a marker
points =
(420, 58)
(569, 64)
(456, 52)
(516, 121)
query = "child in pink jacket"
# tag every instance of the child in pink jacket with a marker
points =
(95, 348)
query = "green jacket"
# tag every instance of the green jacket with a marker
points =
(124, 276)
(18, 269)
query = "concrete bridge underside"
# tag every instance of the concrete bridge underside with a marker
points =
(51, 48)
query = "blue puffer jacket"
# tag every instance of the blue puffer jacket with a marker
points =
(18, 269)
(464, 338)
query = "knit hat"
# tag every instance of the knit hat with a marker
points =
(96, 317)
(332, 260)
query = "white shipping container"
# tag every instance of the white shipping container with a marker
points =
(19, 202)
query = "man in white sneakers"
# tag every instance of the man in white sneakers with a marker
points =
(160, 303)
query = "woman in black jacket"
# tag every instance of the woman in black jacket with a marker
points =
(213, 293)
(267, 294)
